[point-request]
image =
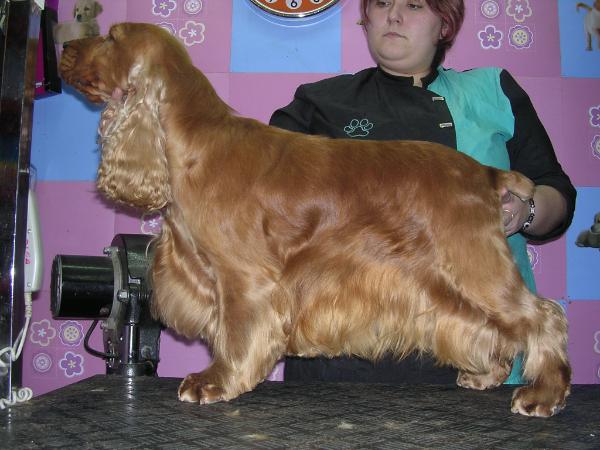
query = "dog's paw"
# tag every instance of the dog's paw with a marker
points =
(475, 381)
(538, 402)
(481, 381)
(195, 389)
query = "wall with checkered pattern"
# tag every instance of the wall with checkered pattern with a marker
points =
(255, 61)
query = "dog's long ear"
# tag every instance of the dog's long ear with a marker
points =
(97, 9)
(133, 169)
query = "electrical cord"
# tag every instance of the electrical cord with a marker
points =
(89, 349)
(18, 395)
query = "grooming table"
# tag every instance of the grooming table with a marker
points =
(114, 412)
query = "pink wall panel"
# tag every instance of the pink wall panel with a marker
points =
(355, 52)
(579, 96)
(75, 220)
(220, 82)
(584, 341)
(47, 352)
(258, 95)
(545, 94)
(40, 383)
(549, 266)
(210, 49)
(542, 58)
(178, 356)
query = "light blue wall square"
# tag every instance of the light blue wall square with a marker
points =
(64, 138)
(583, 263)
(261, 42)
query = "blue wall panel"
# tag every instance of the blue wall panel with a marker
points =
(583, 263)
(264, 43)
(64, 138)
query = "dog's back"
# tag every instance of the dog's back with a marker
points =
(362, 238)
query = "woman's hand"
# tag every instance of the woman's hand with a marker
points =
(550, 211)
(514, 212)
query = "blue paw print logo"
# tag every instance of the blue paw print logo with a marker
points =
(358, 128)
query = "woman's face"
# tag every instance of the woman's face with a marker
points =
(403, 35)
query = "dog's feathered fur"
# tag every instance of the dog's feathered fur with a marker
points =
(279, 243)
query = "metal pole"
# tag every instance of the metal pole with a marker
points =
(19, 31)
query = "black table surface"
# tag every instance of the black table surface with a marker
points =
(116, 412)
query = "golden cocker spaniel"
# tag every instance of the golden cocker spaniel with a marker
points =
(276, 243)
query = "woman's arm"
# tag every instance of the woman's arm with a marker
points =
(532, 154)
(296, 116)
(550, 212)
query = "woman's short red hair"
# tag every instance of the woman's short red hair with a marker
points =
(452, 13)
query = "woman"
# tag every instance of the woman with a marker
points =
(483, 113)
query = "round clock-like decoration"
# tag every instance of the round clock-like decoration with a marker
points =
(294, 8)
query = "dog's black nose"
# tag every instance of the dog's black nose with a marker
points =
(65, 45)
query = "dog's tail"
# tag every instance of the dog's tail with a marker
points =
(584, 6)
(515, 182)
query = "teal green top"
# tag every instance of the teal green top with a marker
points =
(484, 122)
(476, 117)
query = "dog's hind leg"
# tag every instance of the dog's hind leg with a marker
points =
(497, 375)
(546, 364)
(482, 345)
(465, 337)
(493, 317)
(538, 328)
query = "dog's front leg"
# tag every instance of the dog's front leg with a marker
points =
(206, 386)
(249, 342)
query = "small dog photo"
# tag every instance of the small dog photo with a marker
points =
(591, 23)
(591, 237)
(84, 23)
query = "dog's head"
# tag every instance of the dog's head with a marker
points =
(107, 66)
(86, 10)
(126, 70)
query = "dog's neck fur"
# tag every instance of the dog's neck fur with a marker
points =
(188, 126)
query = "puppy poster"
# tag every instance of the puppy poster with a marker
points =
(579, 24)
(83, 24)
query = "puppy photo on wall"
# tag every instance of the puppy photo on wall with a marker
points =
(84, 23)
(591, 23)
(591, 237)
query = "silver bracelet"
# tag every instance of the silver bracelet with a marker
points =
(527, 223)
